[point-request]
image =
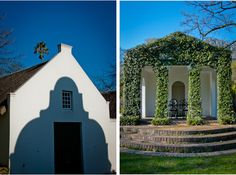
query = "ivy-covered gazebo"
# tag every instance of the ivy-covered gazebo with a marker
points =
(181, 50)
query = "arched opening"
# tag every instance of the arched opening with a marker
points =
(178, 91)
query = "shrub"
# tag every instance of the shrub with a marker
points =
(195, 120)
(227, 120)
(161, 121)
(129, 120)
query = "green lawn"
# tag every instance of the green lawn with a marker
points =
(131, 163)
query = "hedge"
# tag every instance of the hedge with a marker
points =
(129, 120)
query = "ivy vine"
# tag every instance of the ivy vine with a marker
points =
(224, 98)
(194, 116)
(161, 110)
(177, 49)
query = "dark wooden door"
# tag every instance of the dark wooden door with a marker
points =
(68, 148)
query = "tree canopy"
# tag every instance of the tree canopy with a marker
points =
(41, 49)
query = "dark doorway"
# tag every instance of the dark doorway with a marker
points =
(68, 148)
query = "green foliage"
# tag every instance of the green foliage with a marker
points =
(161, 94)
(225, 106)
(176, 49)
(197, 120)
(234, 88)
(233, 67)
(194, 116)
(131, 89)
(227, 120)
(161, 121)
(129, 120)
(41, 49)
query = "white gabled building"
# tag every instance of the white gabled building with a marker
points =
(54, 120)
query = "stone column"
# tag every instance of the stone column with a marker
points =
(194, 116)
(161, 110)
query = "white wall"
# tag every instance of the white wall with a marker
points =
(213, 85)
(208, 92)
(178, 73)
(151, 94)
(35, 105)
(143, 94)
(148, 92)
(205, 93)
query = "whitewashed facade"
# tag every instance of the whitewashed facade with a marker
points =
(37, 105)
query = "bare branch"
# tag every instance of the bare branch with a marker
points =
(8, 62)
(218, 28)
(211, 16)
(230, 44)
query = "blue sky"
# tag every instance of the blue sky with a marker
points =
(90, 27)
(144, 20)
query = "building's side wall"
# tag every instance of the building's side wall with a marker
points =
(33, 99)
(4, 139)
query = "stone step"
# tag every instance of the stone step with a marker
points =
(178, 148)
(169, 154)
(183, 138)
(195, 130)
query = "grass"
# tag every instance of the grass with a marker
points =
(134, 164)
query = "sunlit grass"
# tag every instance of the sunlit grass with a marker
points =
(131, 163)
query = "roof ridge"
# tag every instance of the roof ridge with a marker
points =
(26, 69)
(12, 82)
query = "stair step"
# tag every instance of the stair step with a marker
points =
(183, 138)
(175, 131)
(203, 154)
(179, 148)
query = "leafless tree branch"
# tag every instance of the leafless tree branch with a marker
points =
(211, 16)
(8, 62)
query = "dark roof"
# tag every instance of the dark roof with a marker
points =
(12, 82)
(111, 96)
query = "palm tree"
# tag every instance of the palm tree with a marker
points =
(41, 49)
